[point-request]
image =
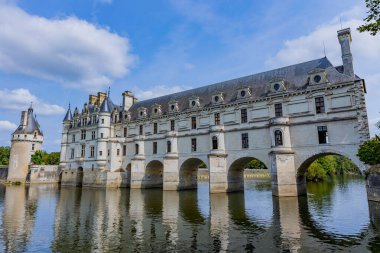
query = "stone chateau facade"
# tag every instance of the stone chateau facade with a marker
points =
(285, 117)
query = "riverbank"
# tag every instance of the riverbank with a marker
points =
(248, 174)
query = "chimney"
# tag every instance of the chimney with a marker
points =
(128, 100)
(92, 99)
(345, 39)
(24, 118)
(101, 97)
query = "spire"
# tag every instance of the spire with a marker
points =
(68, 116)
(109, 90)
(107, 105)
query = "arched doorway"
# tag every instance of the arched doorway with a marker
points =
(80, 177)
(236, 171)
(153, 174)
(188, 173)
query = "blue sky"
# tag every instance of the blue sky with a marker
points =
(59, 51)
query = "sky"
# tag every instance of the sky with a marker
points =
(57, 52)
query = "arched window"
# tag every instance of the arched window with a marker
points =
(136, 149)
(278, 138)
(168, 146)
(214, 142)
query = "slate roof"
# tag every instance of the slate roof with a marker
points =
(32, 125)
(107, 105)
(295, 77)
(68, 115)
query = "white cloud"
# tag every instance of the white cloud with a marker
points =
(157, 91)
(69, 51)
(20, 99)
(7, 126)
(365, 49)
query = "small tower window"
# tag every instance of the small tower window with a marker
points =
(243, 115)
(168, 146)
(278, 138)
(33, 147)
(136, 149)
(214, 142)
(319, 105)
(322, 135)
(217, 118)
(278, 110)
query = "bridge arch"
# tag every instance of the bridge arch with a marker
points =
(153, 174)
(307, 161)
(235, 176)
(188, 173)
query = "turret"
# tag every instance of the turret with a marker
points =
(26, 140)
(104, 130)
(64, 141)
(345, 39)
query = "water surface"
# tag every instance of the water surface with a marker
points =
(334, 216)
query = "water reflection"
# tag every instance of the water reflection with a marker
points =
(124, 220)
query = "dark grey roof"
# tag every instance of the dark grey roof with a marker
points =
(107, 105)
(295, 77)
(31, 125)
(68, 116)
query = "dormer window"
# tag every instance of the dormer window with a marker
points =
(317, 76)
(173, 106)
(156, 110)
(217, 98)
(277, 85)
(142, 112)
(194, 102)
(244, 93)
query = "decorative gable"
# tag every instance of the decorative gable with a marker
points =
(173, 106)
(317, 76)
(194, 102)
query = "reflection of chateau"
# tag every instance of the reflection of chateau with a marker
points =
(285, 117)
(26, 140)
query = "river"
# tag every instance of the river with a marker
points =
(334, 216)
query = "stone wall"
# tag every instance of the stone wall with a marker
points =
(44, 174)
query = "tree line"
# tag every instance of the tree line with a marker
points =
(40, 157)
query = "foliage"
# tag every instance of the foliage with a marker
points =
(256, 164)
(369, 152)
(5, 153)
(42, 158)
(330, 165)
(372, 24)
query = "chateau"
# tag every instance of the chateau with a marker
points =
(285, 117)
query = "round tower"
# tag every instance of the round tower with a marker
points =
(26, 140)
(64, 142)
(104, 129)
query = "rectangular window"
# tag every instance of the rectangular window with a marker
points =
(193, 122)
(243, 115)
(92, 151)
(32, 146)
(172, 125)
(322, 135)
(244, 140)
(72, 153)
(83, 151)
(154, 147)
(93, 135)
(319, 105)
(101, 135)
(193, 144)
(125, 132)
(278, 110)
(154, 128)
(117, 152)
(217, 119)
(141, 129)
(83, 135)
(124, 150)
(108, 152)
(102, 121)
(73, 138)
(100, 153)
(169, 146)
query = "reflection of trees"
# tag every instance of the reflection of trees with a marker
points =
(323, 235)
(153, 202)
(374, 213)
(320, 193)
(188, 207)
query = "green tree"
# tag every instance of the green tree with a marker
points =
(315, 172)
(369, 152)
(52, 158)
(5, 153)
(37, 157)
(40, 157)
(372, 24)
(256, 164)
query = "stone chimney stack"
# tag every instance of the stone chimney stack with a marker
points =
(92, 99)
(24, 118)
(345, 39)
(128, 100)
(101, 97)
